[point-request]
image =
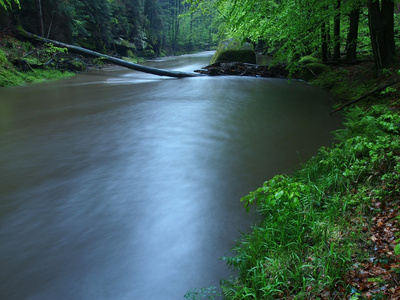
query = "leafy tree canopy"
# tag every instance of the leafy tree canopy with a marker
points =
(293, 27)
(8, 3)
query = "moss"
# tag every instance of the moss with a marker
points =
(344, 85)
(232, 50)
(317, 68)
(12, 77)
(13, 50)
(308, 60)
(329, 79)
(311, 71)
(9, 78)
(245, 56)
(317, 55)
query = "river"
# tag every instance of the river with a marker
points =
(117, 184)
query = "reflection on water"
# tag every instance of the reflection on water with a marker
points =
(123, 185)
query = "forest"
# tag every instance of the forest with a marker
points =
(134, 28)
(286, 30)
(336, 30)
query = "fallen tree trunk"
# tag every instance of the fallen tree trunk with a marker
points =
(378, 89)
(114, 60)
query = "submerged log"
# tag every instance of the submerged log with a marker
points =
(111, 59)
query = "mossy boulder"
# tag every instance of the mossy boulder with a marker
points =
(311, 70)
(309, 60)
(310, 67)
(317, 68)
(232, 50)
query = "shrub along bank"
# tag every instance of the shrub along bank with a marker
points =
(22, 63)
(330, 230)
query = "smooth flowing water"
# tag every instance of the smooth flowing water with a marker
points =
(123, 185)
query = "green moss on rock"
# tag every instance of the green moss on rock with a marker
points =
(317, 68)
(311, 70)
(232, 50)
(308, 60)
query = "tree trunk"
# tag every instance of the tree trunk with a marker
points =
(353, 34)
(387, 16)
(378, 89)
(324, 43)
(39, 18)
(176, 24)
(381, 27)
(114, 60)
(336, 32)
(191, 33)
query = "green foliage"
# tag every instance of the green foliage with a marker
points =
(288, 29)
(11, 77)
(304, 244)
(397, 249)
(50, 49)
(203, 293)
(8, 3)
(356, 296)
(3, 58)
(298, 24)
(245, 56)
(311, 70)
(308, 60)
(389, 90)
(14, 50)
(386, 72)
(337, 81)
(280, 191)
(99, 25)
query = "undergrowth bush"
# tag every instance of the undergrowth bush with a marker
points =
(305, 241)
(12, 76)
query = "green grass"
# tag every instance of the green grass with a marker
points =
(343, 88)
(308, 235)
(11, 77)
(11, 49)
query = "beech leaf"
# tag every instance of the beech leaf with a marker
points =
(397, 249)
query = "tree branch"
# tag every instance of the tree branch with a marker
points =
(378, 89)
(114, 60)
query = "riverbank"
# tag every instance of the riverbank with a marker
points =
(331, 230)
(22, 63)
